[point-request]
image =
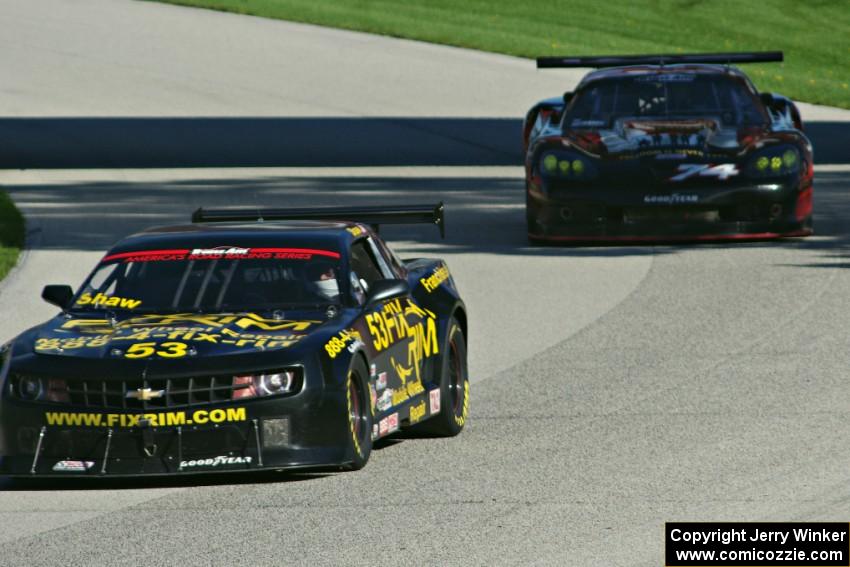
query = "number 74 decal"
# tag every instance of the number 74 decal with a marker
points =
(722, 171)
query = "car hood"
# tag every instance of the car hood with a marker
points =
(180, 335)
(654, 136)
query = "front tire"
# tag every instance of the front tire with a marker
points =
(454, 388)
(359, 414)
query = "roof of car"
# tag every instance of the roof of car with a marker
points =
(333, 235)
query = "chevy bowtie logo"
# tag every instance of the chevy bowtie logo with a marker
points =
(145, 394)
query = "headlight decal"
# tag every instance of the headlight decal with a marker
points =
(565, 165)
(774, 161)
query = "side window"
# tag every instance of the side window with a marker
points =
(364, 265)
(396, 266)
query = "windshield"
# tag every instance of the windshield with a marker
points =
(216, 279)
(664, 96)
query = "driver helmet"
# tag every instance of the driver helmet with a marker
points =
(322, 280)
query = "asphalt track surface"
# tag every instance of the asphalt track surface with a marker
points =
(615, 388)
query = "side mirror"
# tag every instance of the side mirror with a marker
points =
(387, 289)
(58, 295)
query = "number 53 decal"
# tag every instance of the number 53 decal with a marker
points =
(165, 350)
(722, 171)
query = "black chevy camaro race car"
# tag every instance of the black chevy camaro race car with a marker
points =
(666, 146)
(235, 345)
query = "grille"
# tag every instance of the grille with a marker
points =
(112, 394)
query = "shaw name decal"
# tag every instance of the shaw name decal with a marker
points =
(103, 300)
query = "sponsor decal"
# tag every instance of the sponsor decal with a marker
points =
(436, 279)
(73, 466)
(225, 252)
(664, 78)
(670, 156)
(674, 199)
(373, 396)
(381, 382)
(580, 123)
(722, 171)
(341, 341)
(103, 300)
(434, 398)
(373, 369)
(392, 422)
(385, 401)
(221, 460)
(355, 230)
(417, 412)
(390, 325)
(407, 391)
(161, 419)
(375, 431)
(171, 336)
(383, 428)
(671, 126)
(218, 252)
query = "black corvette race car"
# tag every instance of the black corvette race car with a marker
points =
(669, 147)
(233, 345)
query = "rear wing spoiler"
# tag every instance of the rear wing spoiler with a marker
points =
(373, 216)
(660, 59)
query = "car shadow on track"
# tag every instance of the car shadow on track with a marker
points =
(484, 209)
(106, 483)
(161, 142)
(186, 480)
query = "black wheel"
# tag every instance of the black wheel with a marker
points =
(454, 388)
(359, 414)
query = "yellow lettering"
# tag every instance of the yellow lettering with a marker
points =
(417, 412)
(175, 418)
(236, 414)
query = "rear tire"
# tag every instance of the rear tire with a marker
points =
(359, 414)
(454, 388)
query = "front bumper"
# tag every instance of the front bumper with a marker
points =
(596, 213)
(300, 432)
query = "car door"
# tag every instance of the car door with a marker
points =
(394, 333)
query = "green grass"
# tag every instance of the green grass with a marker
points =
(813, 34)
(11, 234)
